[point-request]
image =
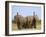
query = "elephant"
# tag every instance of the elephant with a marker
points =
(31, 21)
(21, 21)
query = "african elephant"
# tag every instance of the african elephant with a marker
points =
(21, 21)
(31, 21)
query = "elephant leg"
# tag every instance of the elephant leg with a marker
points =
(31, 25)
(34, 25)
(24, 26)
(21, 25)
(18, 24)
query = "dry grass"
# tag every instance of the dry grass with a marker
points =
(14, 26)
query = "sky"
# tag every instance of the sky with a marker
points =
(26, 10)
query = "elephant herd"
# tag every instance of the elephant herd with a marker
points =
(25, 22)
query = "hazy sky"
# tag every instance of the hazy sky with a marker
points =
(26, 10)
